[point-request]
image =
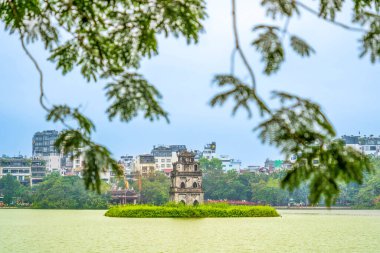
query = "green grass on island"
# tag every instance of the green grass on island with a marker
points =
(181, 211)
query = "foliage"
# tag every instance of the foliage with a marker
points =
(132, 94)
(66, 193)
(12, 191)
(299, 127)
(270, 192)
(266, 189)
(155, 189)
(185, 211)
(97, 158)
(108, 40)
(241, 93)
(269, 45)
(210, 164)
(104, 39)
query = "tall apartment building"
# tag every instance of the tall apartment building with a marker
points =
(43, 147)
(165, 156)
(38, 170)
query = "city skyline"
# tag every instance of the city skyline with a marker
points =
(183, 75)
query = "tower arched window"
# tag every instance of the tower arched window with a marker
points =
(195, 185)
(183, 185)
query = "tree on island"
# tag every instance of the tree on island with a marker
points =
(108, 39)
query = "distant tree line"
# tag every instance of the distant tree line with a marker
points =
(69, 192)
(261, 188)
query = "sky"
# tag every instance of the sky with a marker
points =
(346, 86)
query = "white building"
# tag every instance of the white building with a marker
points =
(209, 151)
(367, 145)
(127, 162)
(165, 156)
(19, 167)
(228, 163)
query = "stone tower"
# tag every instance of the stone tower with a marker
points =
(186, 180)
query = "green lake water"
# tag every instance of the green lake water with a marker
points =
(90, 231)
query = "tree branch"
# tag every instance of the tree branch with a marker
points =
(344, 26)
(238, 48)
(232, 61)
(42, 94)
(285, 29)
(31, 58)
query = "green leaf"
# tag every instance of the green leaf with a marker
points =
(299, 127)
(241, 93)
(335, 163)
(62, 113)
(97, 158)
(132, 94)
(300, 46)
(269, 45)
(328, 8)
(371, 42)
(276, 8)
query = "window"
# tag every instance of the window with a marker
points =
(156, 160)
(183, 185)
(195, 185)
(162, 160)
(168, 160)
(162, 165)
(168, 165)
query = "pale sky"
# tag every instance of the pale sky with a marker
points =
(347, 88)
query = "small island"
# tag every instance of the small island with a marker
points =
(173, 210)
(186, 196)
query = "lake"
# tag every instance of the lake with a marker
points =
(24, 230)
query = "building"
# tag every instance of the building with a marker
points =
(209, 150)
(186, 180)
(250, 169)
(18, 167)
(165, 156)
(229, 163)
(43, 147)
(43, 143)
(38, 170)
(144, 165)
(127, 162)
(123, 196)
(367, 145)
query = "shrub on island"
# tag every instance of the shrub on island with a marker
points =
(172, 210)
